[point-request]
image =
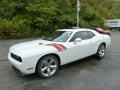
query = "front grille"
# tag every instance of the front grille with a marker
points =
(16, 57)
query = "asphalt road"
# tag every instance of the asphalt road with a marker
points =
(85, 74)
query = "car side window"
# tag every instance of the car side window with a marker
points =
(84, 35)
(89, 34)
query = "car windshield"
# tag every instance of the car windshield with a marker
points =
(58, 36)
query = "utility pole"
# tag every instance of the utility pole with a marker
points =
(78, 10)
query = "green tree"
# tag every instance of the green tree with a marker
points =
(33, 18)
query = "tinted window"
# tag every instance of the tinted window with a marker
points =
(83, 35)
(58, 36)
(90, 35)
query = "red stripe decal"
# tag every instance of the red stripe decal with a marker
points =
(62, 46)
(55, 46)
(59, 47)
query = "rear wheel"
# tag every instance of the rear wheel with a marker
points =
(101, 51)
(47, 66)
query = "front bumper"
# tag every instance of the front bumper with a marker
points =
(18, 72)
(23, 67)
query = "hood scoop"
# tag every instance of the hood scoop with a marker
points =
(40, 43)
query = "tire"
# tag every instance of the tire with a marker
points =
(47, 66)
(101, 51)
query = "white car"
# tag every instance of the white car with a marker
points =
(46, 55)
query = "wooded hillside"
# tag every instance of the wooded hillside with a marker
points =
(33, 18)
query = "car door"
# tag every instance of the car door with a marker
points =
(80, 49)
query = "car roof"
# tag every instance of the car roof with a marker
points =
(75, 30)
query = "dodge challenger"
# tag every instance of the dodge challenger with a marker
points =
(45, 55)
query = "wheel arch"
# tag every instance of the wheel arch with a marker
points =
(99, 45)
(56, 55)
(103, 43)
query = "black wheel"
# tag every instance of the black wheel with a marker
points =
(47, 66)
(101, 51)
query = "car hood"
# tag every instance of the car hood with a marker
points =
(32, 47)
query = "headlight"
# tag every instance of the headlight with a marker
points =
(16, 57)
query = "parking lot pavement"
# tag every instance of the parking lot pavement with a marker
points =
(85, 74)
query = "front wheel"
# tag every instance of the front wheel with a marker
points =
(101, 51)
(47, 66)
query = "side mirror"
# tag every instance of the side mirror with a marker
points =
(77, 40)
